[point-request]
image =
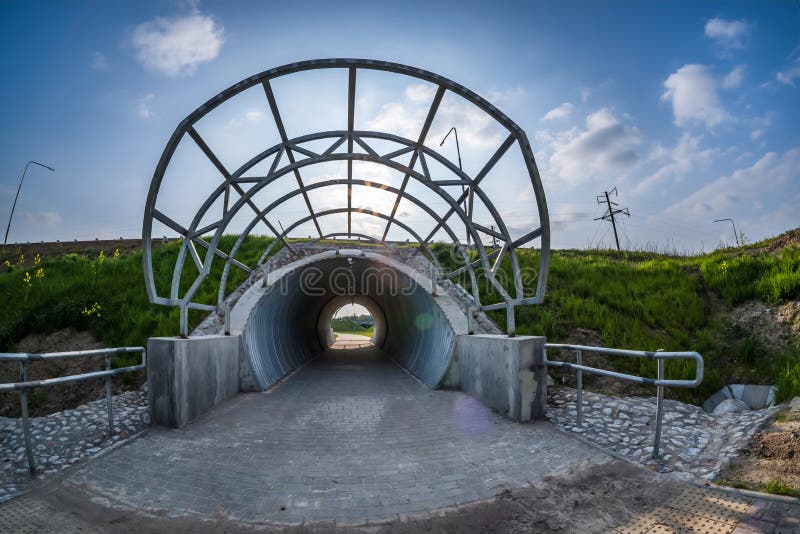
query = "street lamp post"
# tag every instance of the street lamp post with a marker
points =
(735, 235)
(19, 188)
(467, 203)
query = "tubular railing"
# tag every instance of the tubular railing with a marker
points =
(660, 382)
(24, 384)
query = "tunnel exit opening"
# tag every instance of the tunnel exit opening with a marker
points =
(352, 327)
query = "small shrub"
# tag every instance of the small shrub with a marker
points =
(779, 487)
(788, 381)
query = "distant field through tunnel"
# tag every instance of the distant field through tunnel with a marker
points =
(289, 322)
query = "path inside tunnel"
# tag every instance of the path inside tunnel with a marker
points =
(351, 437)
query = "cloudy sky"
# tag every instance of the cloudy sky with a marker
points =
(688, 109)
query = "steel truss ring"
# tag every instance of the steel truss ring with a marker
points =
(291, 147)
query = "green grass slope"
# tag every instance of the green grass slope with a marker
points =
(633, 300)
(104, 293)
(646, 301)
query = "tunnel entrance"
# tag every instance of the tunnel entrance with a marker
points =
(290, 322)
(352, 327)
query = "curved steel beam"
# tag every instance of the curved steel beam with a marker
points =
(417, 149)
(221, 225)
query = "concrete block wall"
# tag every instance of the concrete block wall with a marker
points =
(505, 373)
(188, 377)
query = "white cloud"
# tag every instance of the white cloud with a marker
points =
(756, 134)
(476, 129)
(45, 218)
(729, 33)
(734, 78)
(143, 106)
(680, 161)
(693, 93)
(605, 147)
(176, 46)
(585, 94)
(98, 61)
(773, 174)
(251, 116)
(561, 112)
(789, 75)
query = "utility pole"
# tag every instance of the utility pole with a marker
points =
(19, 188)
(735, 235)
(611, 212)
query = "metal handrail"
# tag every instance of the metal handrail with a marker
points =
(24, 384)
(660, 382)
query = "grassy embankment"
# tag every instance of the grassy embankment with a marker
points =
(347, 326)
(649, 301)
(104, 293)
(630, 300)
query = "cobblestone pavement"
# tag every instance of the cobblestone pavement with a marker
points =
(354, 440)
(350, 438)
(694, 444)
(64, 438)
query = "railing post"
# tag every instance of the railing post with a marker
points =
(227, 327)
(579, 380)
(659, 410)
(184, 318)
(511, 327)
(26, 426)
(108, 396)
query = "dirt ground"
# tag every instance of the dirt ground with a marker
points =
(775, 326)
(772, 454)
(44, 401)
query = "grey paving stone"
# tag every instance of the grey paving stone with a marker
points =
(350, 438)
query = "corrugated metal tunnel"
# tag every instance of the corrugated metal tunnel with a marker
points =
(289, 323)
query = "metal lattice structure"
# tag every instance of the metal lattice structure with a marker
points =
(290, 157)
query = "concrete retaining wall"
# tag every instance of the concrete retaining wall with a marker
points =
(187, 377)
(505, 373)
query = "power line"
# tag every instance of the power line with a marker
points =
(611, 211)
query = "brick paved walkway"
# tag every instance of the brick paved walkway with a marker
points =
(350, 438)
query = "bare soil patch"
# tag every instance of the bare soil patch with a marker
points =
(772, 454)
(44, 401)
(774, 326)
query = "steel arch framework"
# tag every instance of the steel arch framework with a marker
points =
(289, 157)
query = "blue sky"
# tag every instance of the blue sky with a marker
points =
(690, 109)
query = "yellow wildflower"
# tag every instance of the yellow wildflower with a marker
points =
(116, 253)
(26, 280)
(37, 259)
(21, 258)
(39, 273)
(101, 258)
(7, 264)
(93, 310)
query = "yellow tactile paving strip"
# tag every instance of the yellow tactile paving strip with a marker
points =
(696, 510)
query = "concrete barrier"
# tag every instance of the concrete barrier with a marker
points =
(188, 377)
(504, 373)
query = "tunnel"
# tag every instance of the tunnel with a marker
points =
(288, 322)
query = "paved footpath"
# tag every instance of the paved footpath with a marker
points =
(351, 341)
(352, 440)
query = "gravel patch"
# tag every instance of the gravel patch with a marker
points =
(694, 443)
(65, 438)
